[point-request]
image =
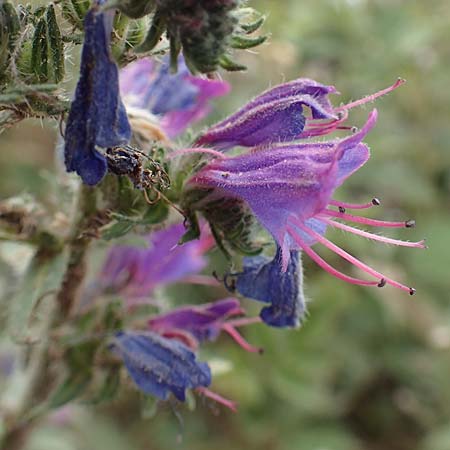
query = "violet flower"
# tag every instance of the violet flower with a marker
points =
(160, 366)
(178, 100)
(97, 117)
(262, 279)
(277, 116)
(289, 187)
(135, 272)
(194, 324)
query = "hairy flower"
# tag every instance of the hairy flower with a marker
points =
(277, 116)
(97, 118)
(262, 279)
(160, 366)
(177, 100)
(290, 186)
(135, 272)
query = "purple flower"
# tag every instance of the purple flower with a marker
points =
(203, 322)
(262, 279)
(177, 99)
(97, 117)
(277, 116)
(160, 366)
(289, 187)
(135, 272)
(194, 324)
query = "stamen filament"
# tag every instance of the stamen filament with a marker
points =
(244, 321)
(375, 237)
(203, 280)
(355, 261)
(240, 340)
(187, 151)
(217, 398)
(327, 267)
(372, 97)
(345, 205)
(367, 221)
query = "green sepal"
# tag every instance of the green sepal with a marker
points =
(117, 229)
(55, 47)
(253, 26)
(193, 228)
(39, 54)
(154, 34)
(231, 66)
(243, 42)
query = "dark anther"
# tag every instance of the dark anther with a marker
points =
(216, 276)
(376, 202)
(412, 291)
(341, 209)
(382, 283)
(410, 223)
(354, 130)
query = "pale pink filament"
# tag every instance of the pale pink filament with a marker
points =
(239, 339)
(217, 398)
(366, 221)
(188, 151)
(343, 254)
(345, 205)
(372, 97)
(324, 265)
(375, 237)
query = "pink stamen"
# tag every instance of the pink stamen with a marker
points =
(217, 398)
(344, 205)
(187, 151)
(367, 221)
(203, 280)
(327, 267)
(244, 321)
(343, 254)
(372, 97)
(240, 340)
(375, 237)
(321, 128)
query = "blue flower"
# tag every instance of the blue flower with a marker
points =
(97, 117)
(160, 366)
(263, 279)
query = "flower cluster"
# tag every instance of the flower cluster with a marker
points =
(289, 185)
(283, 180)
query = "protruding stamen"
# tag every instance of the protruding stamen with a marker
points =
(412, 291)
(375, 237)
(188, 151)
(324, 265)
(240, 340)
(244, 321)
(217, 398)
(203, 280)
(410, 223)
(372, 97)
(382, 283)
(350, 258)
(345, 205)
(367, 221)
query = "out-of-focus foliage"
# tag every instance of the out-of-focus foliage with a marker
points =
(369, 369)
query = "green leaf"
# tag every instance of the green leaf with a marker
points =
(70, 389)
(43, 277)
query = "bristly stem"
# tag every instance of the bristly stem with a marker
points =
(80, 238)
(36, 372)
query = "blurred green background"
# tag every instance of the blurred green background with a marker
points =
(369, 370)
